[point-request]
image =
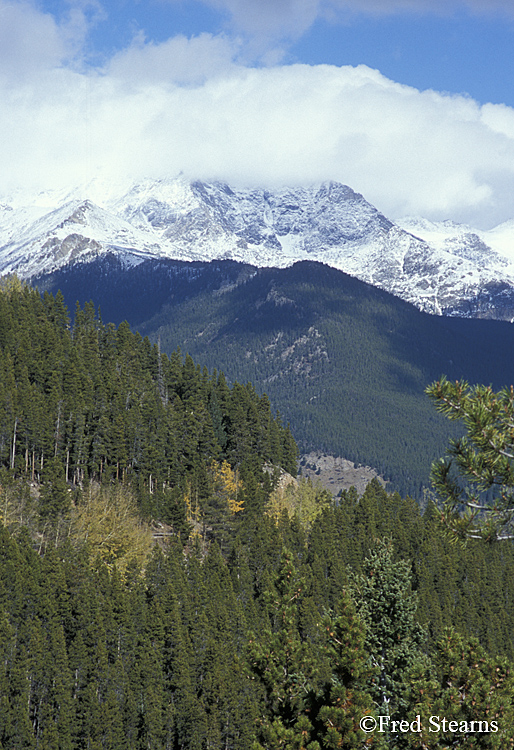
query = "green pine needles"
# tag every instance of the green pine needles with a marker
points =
(477, 500)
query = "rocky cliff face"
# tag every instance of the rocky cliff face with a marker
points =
(442, 269)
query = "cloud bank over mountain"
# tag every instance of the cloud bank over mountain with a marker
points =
(191, 105)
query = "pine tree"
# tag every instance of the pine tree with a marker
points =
(7, 642)
(283, 667)
(55, 499)
(338, 708)
(466, 698)
(394, 639)
(481, 505)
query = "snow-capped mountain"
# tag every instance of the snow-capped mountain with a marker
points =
(441, 268)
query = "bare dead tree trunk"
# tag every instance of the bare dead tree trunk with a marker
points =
(13, 454)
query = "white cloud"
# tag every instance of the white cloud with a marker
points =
(185, 105)
(275, 18)
(29, 40)
(33, 42)
(180, 60)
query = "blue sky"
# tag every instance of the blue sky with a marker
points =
(456, 47)
(411, 102)
(460, 53)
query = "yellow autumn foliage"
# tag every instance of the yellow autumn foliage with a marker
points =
(107, 520)
(193, 513)
(299, 498)
(227, 485)
(225, 488)
(11, 284)
(18, 507)
(7, 507)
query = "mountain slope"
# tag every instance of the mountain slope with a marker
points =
(345, 363)
(463, 273)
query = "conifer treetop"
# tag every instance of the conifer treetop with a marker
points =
(476, 501)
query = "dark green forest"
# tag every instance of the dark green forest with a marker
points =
(92, 402)
(152, 598)
(340, 359)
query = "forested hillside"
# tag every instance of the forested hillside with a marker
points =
(162, 588)
(210, 651)
(96, 403)
(345, 363)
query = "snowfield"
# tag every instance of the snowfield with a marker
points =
(442, 268)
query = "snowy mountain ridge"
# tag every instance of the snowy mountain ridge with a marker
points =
(442, 268)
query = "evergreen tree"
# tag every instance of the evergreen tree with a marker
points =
(394, 639)
(466, 699)
(345, 699)
(283, 666)
(482, 504)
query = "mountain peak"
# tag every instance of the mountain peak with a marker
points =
(439, 267)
